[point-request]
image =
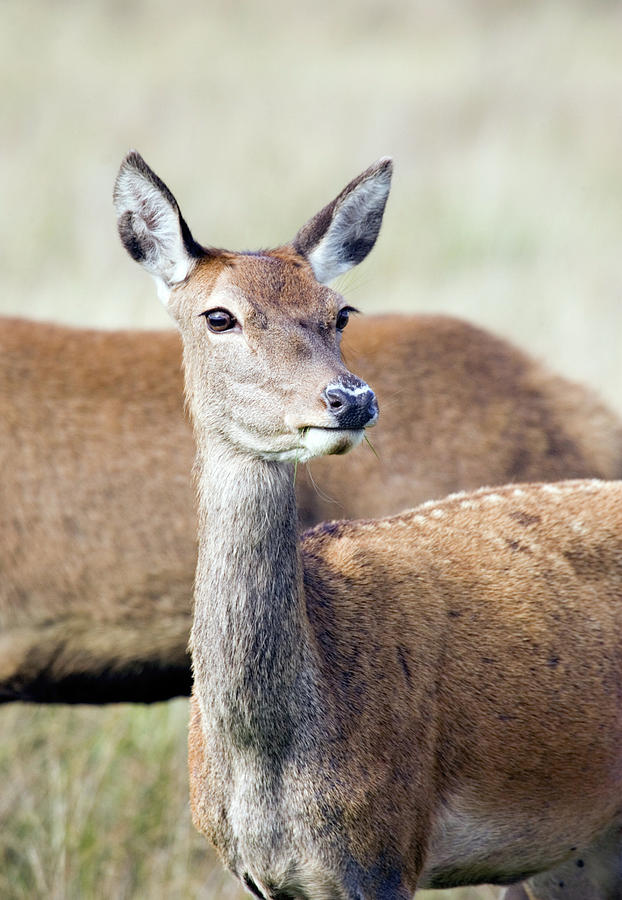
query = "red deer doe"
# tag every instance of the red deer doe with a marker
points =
(97, 529)
(427, 700)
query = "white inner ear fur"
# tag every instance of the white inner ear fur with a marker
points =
(347, 227)
(163, 290)
(156, 225)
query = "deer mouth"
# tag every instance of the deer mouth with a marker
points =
(329, 440)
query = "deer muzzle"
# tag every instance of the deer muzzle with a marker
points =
(351, 403)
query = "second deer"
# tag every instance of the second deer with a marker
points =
(426, 700)
(97, 526)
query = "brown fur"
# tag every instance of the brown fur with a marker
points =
(97, 551)
(470, 669)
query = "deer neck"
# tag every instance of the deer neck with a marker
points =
(249, 639)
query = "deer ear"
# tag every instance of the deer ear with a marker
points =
(342, 234)
(151, 226)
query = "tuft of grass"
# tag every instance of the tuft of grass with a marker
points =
(372, 448)
(304, 431)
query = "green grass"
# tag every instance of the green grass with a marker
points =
(506, 209)
(94, 804)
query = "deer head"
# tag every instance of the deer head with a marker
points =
(261, 330)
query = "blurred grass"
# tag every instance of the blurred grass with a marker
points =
(505, 122)
(94, 804)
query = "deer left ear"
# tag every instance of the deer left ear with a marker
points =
(151, 226)
(341, 235)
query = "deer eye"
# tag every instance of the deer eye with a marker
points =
(219, 320)
(343, 317)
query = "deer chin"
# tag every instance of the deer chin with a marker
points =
(328, 441)
(316, 441)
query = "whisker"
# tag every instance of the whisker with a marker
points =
(395, 393)
(352, 281)
(372, 448)
(318, 490)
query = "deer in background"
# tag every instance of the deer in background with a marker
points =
(426, 700)
(97, 528)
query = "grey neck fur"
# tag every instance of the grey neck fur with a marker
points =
(250, 647)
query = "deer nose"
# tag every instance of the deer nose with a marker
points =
(352, 403)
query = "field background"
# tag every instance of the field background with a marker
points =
(505, 121)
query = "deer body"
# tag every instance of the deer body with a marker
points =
(441, 725)
(431, 699)
(97, 524)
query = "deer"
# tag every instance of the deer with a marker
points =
(97, 521)
(428, 699)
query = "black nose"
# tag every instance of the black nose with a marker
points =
(352, 402)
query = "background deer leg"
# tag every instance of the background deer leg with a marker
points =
(594, 873)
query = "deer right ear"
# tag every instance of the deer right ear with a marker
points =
(342, 234)
(151, 226)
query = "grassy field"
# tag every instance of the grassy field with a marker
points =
(505, 122)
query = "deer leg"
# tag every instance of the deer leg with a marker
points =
(594, 873)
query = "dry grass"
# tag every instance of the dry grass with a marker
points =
(504, 119)
(94, 804)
